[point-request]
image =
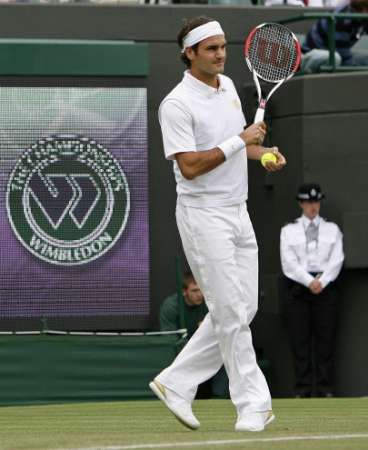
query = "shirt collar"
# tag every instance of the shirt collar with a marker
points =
(307, 221)
(204, 88)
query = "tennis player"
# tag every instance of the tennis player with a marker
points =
(203, 132)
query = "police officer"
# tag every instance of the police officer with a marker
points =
(311, 258)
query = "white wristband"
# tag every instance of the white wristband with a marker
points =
(232, 146)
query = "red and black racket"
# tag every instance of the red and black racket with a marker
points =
(273, 54)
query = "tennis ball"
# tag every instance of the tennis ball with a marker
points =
(268, 157)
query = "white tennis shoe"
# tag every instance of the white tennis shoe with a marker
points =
(256, 421)
(181, 409)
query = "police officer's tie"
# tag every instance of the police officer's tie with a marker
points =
(311, 232)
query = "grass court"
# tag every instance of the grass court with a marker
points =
(301, 424)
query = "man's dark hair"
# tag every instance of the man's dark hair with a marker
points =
(189, 25)
(188, 278)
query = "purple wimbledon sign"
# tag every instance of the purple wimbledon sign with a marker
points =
(73, 206)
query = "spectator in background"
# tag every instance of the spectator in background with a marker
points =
(189, 314)
(348, 32)
(311, 3)
(311, 258)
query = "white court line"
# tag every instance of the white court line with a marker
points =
(322, 437)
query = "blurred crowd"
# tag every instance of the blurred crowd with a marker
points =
(303, 3)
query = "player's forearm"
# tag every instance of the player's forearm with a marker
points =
(193, 164)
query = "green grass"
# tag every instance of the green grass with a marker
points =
(99, 425)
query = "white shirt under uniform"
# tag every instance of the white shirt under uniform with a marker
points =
(218, 240)
(300, 258)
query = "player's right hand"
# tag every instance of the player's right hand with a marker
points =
(254, 134)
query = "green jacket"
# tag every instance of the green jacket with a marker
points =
(170, 315)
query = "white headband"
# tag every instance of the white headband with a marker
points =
(200, 33)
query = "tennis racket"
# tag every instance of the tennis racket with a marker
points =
(273, 54)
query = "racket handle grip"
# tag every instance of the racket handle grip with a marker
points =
(259, 115)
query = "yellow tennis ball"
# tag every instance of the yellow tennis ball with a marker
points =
(268, 157)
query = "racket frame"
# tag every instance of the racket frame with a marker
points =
(259, 116)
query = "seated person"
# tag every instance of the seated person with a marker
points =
(189, 314)
(348, 32)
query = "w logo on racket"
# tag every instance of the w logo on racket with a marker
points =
(273, 53)
(67, 200)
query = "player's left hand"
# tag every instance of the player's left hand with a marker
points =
(280, 163)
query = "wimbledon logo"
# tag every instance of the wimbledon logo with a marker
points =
(67, 200)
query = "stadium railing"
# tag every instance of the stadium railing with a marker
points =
(332, 18)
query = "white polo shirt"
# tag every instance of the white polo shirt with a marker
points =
(197, 117)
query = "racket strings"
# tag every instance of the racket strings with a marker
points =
(272, 52)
